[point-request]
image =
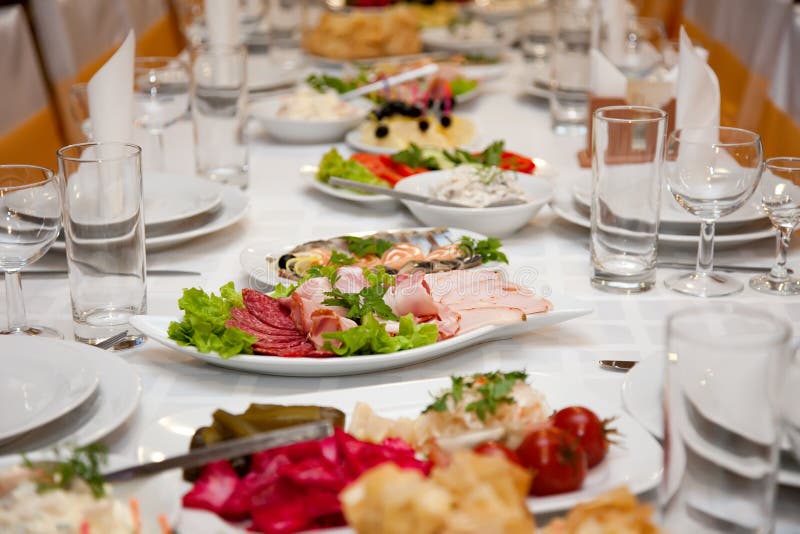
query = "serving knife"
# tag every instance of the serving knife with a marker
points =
(226, 450)
(394, 193)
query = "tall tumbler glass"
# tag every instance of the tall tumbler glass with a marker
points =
(104, 229)
(219, 113)
(628, 154)
(572, 39)
(285, 28)
(722, 418)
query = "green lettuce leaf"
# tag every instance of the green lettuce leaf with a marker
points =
(203, 324)
(459, 86)
(333, 164)
(370, 337)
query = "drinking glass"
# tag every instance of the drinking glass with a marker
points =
(104, 230)
(626, 196)
(573, 21)
(537, 30)
(711, 172)
(285, 27)
(219, 113)
(161, 97)
(722, 419)
(30, 214)
(780, 198)
(643, 49)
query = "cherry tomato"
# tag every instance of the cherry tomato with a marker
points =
(494, 448)
(556, 458)
(511, 161)
(592, 432)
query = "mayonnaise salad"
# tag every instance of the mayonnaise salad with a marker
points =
(477, 186)
(309, 104)
(25, 511)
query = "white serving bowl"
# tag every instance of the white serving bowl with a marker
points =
(304, 131)
(496, 222)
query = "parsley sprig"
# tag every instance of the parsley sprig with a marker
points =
(493, 389)
(83, 463)
(367, 301)
(364, 246)
(488, 249)
(415, 157)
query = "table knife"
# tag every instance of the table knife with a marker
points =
(226, 450)
(150, 272)
(394, 193)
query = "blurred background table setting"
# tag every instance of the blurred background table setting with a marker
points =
(462, 232)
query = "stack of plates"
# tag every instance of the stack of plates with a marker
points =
(572, 202)
(61, 392)
(178, 208)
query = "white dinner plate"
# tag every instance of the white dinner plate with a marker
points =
(440, 38)
(353, 139)
(171, 197)
(379, 202)
(156, 495)
(264, 275)
(264, 75)
(635, 463)
(155, 327)
(115, 400)
(562, 205)
(641, 398)
(41, 383)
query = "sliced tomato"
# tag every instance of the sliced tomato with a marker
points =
(382, 166)
(512, 161)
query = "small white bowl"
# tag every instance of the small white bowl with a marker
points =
(304, 131)
(496, 222)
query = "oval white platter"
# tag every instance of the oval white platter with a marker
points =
(155, 327)
(635, 464)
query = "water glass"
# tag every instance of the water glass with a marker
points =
(285, 19)
(219, 113)
(722, 417)
(711, 172)
(30, 214)
(780, 198)
(104, 230)
(628, 153)
(161, 97)
(572, 38)
(537, 29)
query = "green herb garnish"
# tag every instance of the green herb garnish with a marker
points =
(364, 246)
(492, 154)
(333, 164)
(321, 82)
(415, 157)
(488, 249)
(493, 388)
(83, 463)
(368, 301)
(370, 337)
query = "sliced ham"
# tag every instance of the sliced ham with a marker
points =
(410, 294)
(474, 318)
(474, 289)
(325, 320)
(350, 279)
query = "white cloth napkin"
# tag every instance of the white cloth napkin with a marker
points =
(605, 79)
(698, 97)
(222, 21)
(615, 19)
(110, 94)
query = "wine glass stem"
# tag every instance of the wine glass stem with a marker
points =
(705, 251)
(778, 272)
(157, 145)
(15, 304)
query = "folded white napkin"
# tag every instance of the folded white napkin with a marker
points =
(222, 21)
(615, 19)
(110, 95)
(605, 79)
(698, 97)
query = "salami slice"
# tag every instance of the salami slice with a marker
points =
(244, 317)
(291, 338)
(266, 309)
(301, 349)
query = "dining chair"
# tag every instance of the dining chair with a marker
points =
(29, 129)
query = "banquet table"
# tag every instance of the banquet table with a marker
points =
(549, 253)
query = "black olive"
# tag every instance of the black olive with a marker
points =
(414, 112)
(283, 259)
(396, 105)
(381, 131)
(424, 125)
(446, 121)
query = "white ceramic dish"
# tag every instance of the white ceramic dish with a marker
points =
(115, 400)
(641, 398)
(42, 384)
(171, 197)
(440, 38)
(156, 496)
(353, 139)
(378, 202)
(499, 222)
(562, 205)
(155, 327)
(264, 275)
(490, 71)
(264, 75)
(306, 131)
(636, 464)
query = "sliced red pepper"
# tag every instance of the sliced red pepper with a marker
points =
(511, 161)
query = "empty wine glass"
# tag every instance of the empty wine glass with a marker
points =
(711, 172)
(30, 215)
(780, 198)
(161, 95)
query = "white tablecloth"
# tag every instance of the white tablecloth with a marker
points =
(283, 207)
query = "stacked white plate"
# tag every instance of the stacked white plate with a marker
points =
(57, 391)
(179, 207)
(573, 200)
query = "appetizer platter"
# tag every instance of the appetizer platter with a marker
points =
(505, 421)
(389, 298)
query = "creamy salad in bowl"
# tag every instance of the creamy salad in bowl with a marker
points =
(478, 186)
(307, 103)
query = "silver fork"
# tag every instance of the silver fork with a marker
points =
(111, 341)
